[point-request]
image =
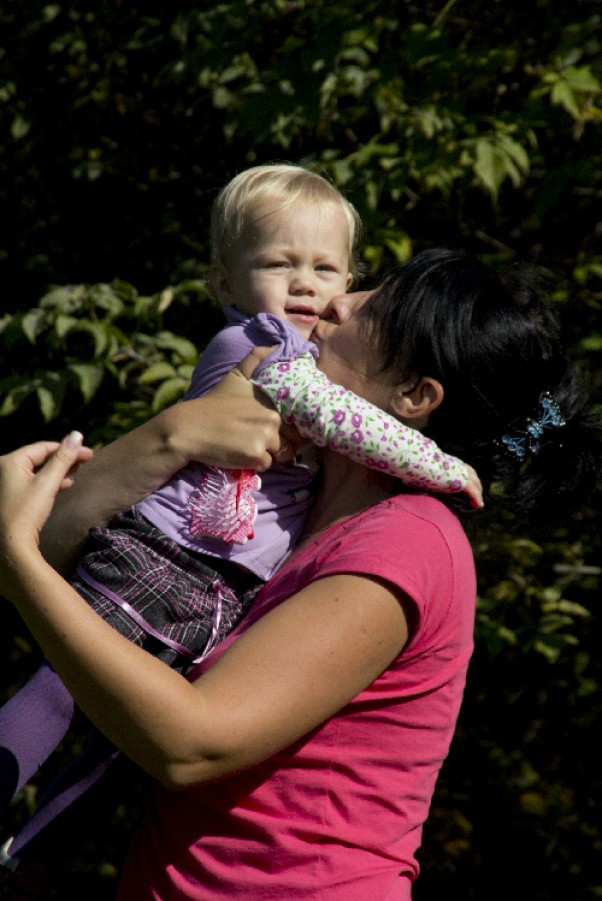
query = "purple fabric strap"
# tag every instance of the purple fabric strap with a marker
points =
(150, 630)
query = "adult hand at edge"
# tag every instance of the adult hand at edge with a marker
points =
(30, 479)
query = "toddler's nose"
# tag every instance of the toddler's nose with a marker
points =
(302, 283)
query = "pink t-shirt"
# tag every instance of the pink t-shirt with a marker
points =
(339, 814)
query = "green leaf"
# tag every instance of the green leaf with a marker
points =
(89, 378)
(165, 299)
(50, 390)
(15, 397)
(498, 157)
(486, 167)
(124, 290)
(168, 393)
(100, 333)
(33, 324)
(592, 342)
(182, 347)
(185, 372)
(158, 372)
(581, 78)
(106, 298)
(563, 95)
(589, 268)
(64, 324)
(400, 246)
(67, 299)
(19, 128)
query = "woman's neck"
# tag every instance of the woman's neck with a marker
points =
(346, 489)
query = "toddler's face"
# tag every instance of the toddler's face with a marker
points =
(290, 263)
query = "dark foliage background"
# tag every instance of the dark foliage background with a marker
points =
(467, 124)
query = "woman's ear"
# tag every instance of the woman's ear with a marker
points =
(416, 402)
(221, 284)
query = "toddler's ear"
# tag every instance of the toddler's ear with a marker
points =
(221, 284)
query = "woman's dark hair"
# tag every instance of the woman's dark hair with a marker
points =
(495, 347)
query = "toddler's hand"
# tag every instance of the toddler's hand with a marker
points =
(474, 489)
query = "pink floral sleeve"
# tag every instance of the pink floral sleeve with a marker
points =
(332, 416)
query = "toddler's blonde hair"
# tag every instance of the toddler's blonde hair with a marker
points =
(285, 184)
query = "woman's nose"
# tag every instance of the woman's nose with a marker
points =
(342, 307)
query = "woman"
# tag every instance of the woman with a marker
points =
(306, 747)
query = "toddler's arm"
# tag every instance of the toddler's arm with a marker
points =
(332, 416)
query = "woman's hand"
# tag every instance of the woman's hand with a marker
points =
(30, 479)
(253, 433)
(242, 430)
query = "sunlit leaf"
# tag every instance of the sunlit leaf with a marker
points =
(50, 391)
(158, 372)
(89, 378)
(168, 393)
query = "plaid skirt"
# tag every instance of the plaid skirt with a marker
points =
(173, 602)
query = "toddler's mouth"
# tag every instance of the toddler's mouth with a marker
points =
(303, 314)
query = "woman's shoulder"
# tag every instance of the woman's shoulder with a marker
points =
(415, 543)
(428, 533)
(414, 513)
(404, 537)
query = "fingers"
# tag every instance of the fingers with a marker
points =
(60, 466)
(237, 426)
(36, 454)
(71, 453)
(68, 453)
(475, 500)
(474, 489)
(285, 452)
(249, 364)
(30, 479)
(289, 443)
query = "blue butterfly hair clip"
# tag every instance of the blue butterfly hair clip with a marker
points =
(523, 441)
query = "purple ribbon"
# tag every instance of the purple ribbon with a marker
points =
(150, 630)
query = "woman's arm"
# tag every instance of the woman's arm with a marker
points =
(286, 675)
(234, 425)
